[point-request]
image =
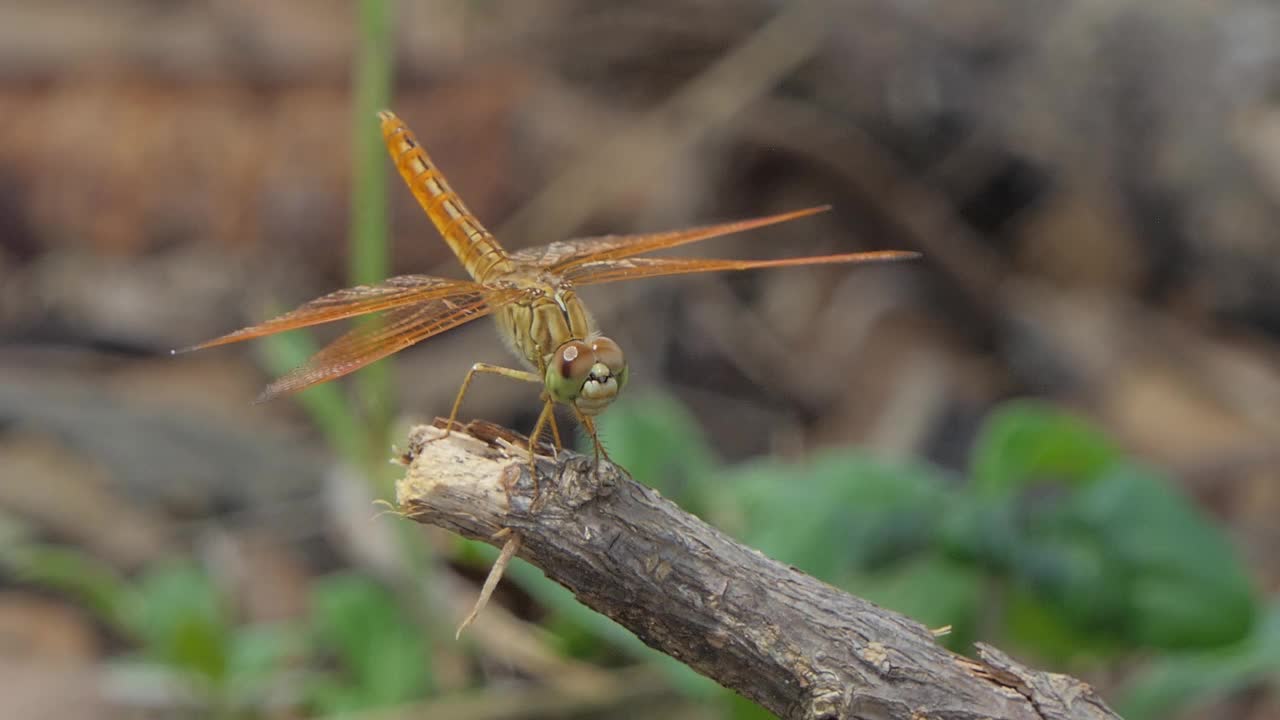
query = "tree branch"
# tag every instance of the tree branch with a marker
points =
(799, 647)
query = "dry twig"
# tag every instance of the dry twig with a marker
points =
(792, 643)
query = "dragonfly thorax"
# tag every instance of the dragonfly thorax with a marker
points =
(550, 316)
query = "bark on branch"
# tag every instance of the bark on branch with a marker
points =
(799, 647)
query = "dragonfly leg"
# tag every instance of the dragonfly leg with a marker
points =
(589, 424)
(547, 415)
(555, 429)
(490, 370)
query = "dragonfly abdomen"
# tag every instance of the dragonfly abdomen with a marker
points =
(475, 247)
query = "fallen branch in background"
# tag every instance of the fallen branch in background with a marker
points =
(799, 647)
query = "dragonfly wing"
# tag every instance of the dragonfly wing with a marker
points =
(558, 253)
(567, 254)
(350, 302)
(603, 271)
(399, 329)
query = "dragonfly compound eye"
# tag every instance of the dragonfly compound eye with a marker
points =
(574, 360)
(608, 352)
(568, 370)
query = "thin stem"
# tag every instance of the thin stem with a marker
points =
(368, 231)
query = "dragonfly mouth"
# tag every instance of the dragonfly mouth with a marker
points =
(600, 388)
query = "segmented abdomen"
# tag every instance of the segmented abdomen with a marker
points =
(475, 247)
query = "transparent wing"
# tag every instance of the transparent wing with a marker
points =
(593, 273)
(399, 329)
(566, 254)
(361, 300)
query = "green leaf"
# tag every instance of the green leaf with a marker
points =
(256, 657)
(660, 444)
(383, 656)
(741, 708)
(1175, 683)
(183, 622)
(1089, 586)
(85, 578)
(1127, 560)
(1043, 627)
(1100, 545)
(931, 589)
(1190, 588)
(1027, 442)
(840, 513)
(981, 530)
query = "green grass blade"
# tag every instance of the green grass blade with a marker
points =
(368, 233)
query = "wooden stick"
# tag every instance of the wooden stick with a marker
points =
(799, 647)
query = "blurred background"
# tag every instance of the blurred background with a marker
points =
(1058, 432)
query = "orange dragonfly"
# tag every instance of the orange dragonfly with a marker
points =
(530, 292)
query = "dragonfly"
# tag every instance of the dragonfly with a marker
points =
(530, 292)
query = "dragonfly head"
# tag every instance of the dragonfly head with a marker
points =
(587, 374)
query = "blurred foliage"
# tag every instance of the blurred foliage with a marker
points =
(177, 620)
(353, 652)
(359, 622)
(1057, 545)
(1174, 683)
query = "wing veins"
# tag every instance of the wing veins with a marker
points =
(594, 273)
(352, 302)
(567, 254)
(402, 328)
